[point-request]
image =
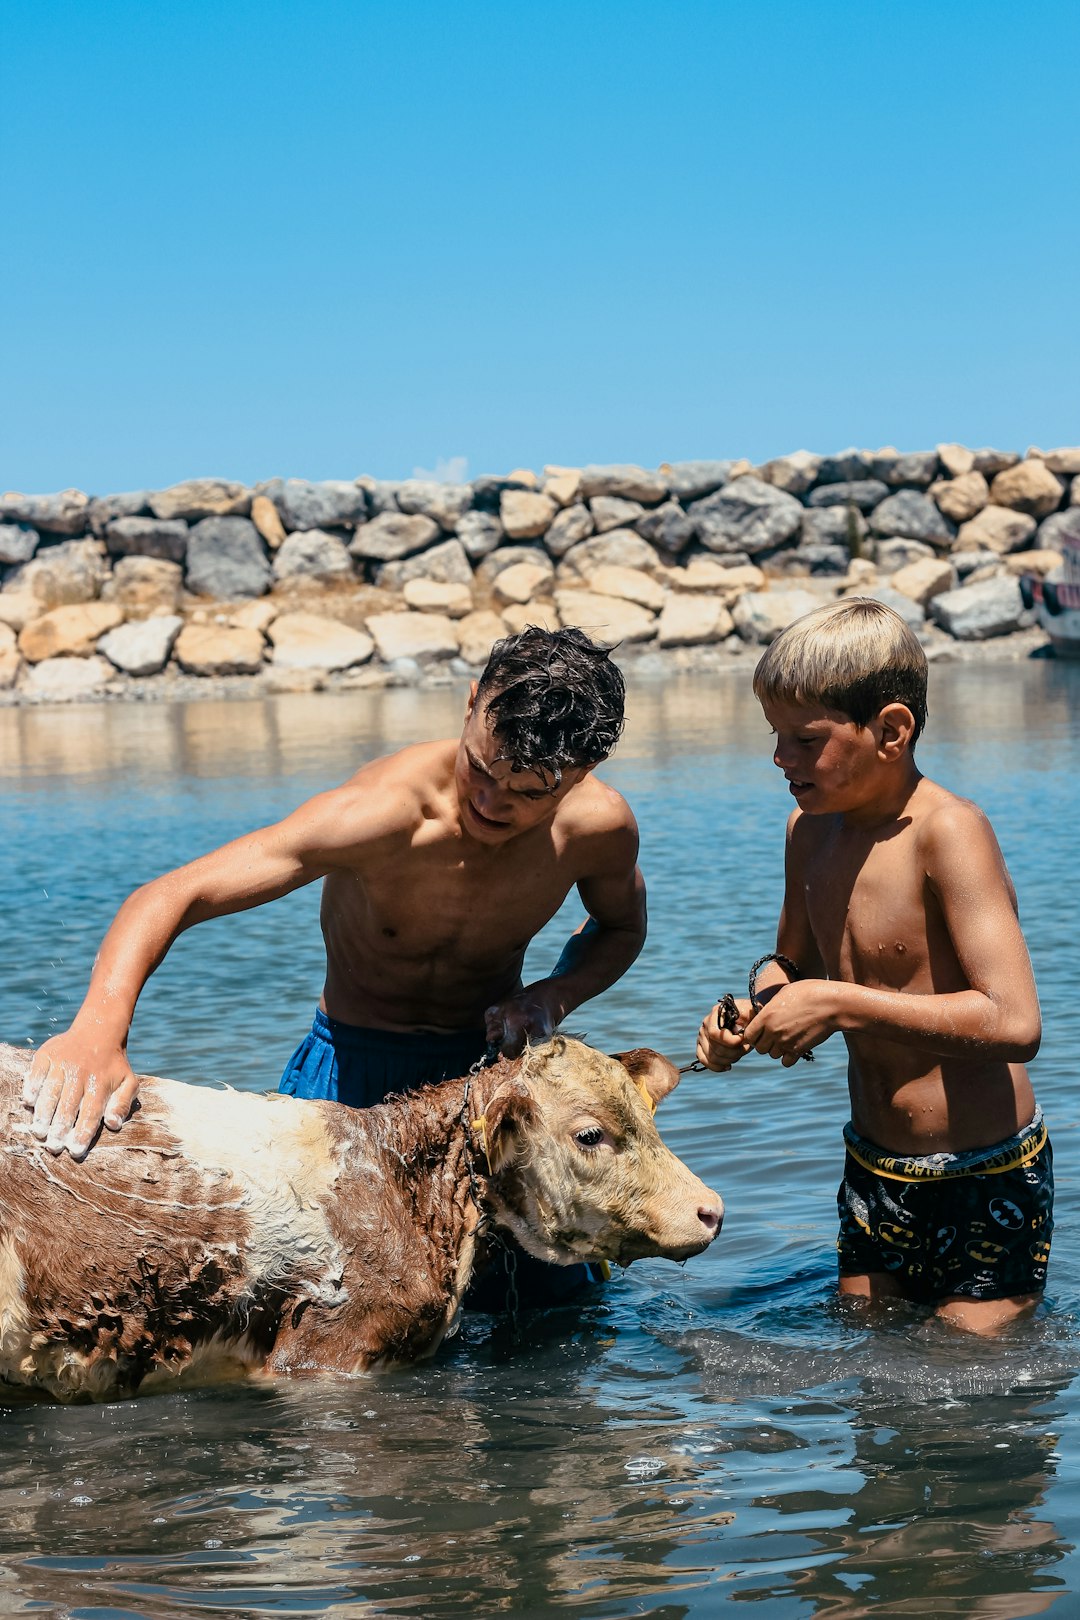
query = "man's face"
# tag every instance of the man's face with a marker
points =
(830, 763)
(496, 801)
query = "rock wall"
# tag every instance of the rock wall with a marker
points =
(364, 582)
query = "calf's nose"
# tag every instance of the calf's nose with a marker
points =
(711, 1215)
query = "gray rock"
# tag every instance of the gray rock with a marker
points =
(1059, 527)
(749, 515)
(18, 542)
(391, 535)
(104, 508)
(445, 504)
(621, 548)
(969, 562)
(479, 532)
(447, 563)
(689, 480)
(312, 554)
(509, 557)
(147, 537)
(989, 462)
(226, 558)
(918, 468)
(911, 515)
(572, 524)
(761, 615)
(833, 526)
(200, 498)
(631, 482)
(807, 559)
(613, 512)
(488, 489)
(382, 495)
(666, 526)
(64, 513)
(426, 637)
(61, 574)
(849, 465)
(909, 610)
(864, 493)
(889, 555)
(975, 612)
(332, 503)
(143, 646)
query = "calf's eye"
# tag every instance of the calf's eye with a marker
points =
(590, 1137)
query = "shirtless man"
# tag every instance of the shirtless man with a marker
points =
(901, 918)
(440, 864)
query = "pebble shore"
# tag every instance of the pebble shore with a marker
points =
(215, 589)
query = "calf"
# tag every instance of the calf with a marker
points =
(224, 1233)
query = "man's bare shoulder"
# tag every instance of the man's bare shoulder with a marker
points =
(389, 796)
(596, 815)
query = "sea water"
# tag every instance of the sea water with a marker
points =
(697, 1437)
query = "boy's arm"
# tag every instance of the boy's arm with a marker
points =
(82, 1076)
(997, 1016)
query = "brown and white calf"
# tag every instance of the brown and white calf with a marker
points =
(223, 1233)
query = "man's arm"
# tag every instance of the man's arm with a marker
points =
(997, 1016)
(593, 958)
(82, 1076)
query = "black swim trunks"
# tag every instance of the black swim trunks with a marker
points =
(976, 1225)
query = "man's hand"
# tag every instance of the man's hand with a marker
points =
(528, 1016)
(796, 1018)
(718, 1048)
(73, 1086)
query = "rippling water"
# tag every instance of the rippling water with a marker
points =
(712, 1435)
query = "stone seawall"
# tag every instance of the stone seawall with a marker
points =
(213, 587)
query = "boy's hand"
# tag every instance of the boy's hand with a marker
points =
(796, 1018)
(73, 1086)
(718, 1048)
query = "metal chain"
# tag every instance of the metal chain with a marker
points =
(484, 1223)
(729, 1012)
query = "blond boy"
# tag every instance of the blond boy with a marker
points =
(901, 917)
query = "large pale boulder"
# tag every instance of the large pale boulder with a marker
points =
(142, 647)
(479, 632)
(438, 596)
(67, 512)
(8, 639)
(212, 649)
(226, 558)
(147, 537)
(996, 528)
(18, 608)
(69, 632)
(329, 504)
(606, 619)
(976, 612)
(539, 615)
(18, 542)
(614, 512)
(392, 535)
(912, 515)
(497, 562)
(749, 515)
(447, 563)
(267, 519)
(427, 638)
(761, 615)
(667, 526)
(572, 524)
(520, 583)
(693, 621)
(1029, 487)
(961, 498)
(1065, 461)
(525, 513)
(706, 576)
(73, 571)
(10, 665)
(144, 585)
(60, 680)
(690, 480)
(312, 641)
(257, 614)
(956, 459)
(201, 498)
(631, 584)
(621, 548)
(1033, 562)
(795, 473)
(562, 485)
(313, 557)
(924, 579)
(632, 483)
(479, 533)
(445, 504)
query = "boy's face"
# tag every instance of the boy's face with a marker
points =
(496, 801)
(831, 764)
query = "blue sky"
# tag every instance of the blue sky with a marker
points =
(326, 238)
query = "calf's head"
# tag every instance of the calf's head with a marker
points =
(578, 1170)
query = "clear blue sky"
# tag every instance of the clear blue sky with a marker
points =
(325, 237)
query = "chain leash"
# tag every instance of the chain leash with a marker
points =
(729, 1012)
(484, 1226)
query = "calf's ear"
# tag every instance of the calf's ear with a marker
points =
(507, 1118)
(649, 1070)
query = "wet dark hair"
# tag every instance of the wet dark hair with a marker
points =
(554, 699)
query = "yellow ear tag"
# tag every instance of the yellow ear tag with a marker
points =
(646, 1096)
(479, 1125)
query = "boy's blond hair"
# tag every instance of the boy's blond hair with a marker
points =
(853, 656)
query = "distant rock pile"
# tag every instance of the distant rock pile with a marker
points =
(293, 584)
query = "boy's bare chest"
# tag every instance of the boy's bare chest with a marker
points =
(869, 909)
